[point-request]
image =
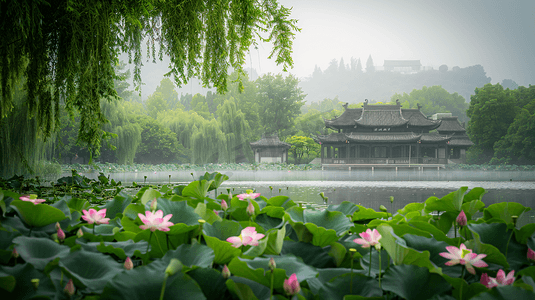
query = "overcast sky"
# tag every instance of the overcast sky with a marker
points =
(499, 35)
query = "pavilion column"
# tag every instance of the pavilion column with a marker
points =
(322, 153)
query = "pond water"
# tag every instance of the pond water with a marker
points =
(367, 188)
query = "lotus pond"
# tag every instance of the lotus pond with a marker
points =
(93, 239)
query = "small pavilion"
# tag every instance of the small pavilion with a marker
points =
(270, 149)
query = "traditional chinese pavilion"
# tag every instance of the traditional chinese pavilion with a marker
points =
(270, 149)
(388, 135)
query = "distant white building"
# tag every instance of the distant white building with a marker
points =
(402, 66)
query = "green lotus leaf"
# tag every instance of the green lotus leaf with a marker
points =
(145, 280)
(407, 281)
(365, 262)
(452, 202)
(346, 207)
(311, 255)
(504, 211)
(148, 195)
(192, 255)
(90, 271)
(16, 282)
(281, 201)
(400, 253)
(340, 286)
(267, 222)
(505, 293)
(122, 236)
(334, 220)
(77, 204)
(210, 281)
(158, 242)
(244, 289)
(39, 251)
(419, 207)
(338, 253)
(119, 249)
(434, 247)
(445, 222)
(525, 233)
(368, 214)
(472, 207)
(206, 214)
(197, 189)
(181, 211)
(132, 210)
(62, 205)
(495, 240)
(130, 225)
(474, 194)
(468, 290)
(257, 269)
(224, 251)
(117, 205)
(275, 241)
(37, 215)
(321, 237)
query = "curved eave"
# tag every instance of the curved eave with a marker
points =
(384, 138)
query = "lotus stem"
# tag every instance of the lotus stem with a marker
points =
(94, 228)
(351, 282)
(271, 293)
(462, 283)
(508, 241)
(148, 245)
(163, 286)
(379, 268)
(370, 269)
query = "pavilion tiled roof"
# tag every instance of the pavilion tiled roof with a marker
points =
(450, 124)
(347, 118)
(460, 140)
(434, 137)
(331, 138)
(269, 141)
(381, 115)
(417, 119)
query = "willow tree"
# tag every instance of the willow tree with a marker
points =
(66, 50)
(235, 127)
(208, 143)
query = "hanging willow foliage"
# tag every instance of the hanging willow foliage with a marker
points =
(66, 49)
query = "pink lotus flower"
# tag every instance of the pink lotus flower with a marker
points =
(368, 238)
(128, 264)
(465, 257)
(500, 279)
(225, 272)
(248, 236)
(531, 255)
(250, 196)
(250, 209)
(291, 285)
(69, 288)
(34, 201)
(94, 216)
(155, 221)
(14, 253)
(461, 219)
(61, 235)
(224, 205)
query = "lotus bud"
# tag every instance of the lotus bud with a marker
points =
(128, 264)
(69, 288)
(58, 226)
(35, 283)
(153, 205)
(383, 208)
(378, 246)
(291, 285)
(391, 199)
(61, 235)
(531, 255)
(224, 205)
(272, 264)
(461, 219)
(250, 209)
(79, 233)
(225, 272)
(514, 218)
(174, 266)
(15, 254)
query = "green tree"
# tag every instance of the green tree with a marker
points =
(156, 103)
(518, 145)
(491, 111)
(67, 50)
(235, 128)
(167, 89)
(303, 146)
(369, 65)
(279, 100)
(158, 144)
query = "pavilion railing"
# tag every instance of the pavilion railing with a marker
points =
(385, 161)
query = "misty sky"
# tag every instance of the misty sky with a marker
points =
(499, 35)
